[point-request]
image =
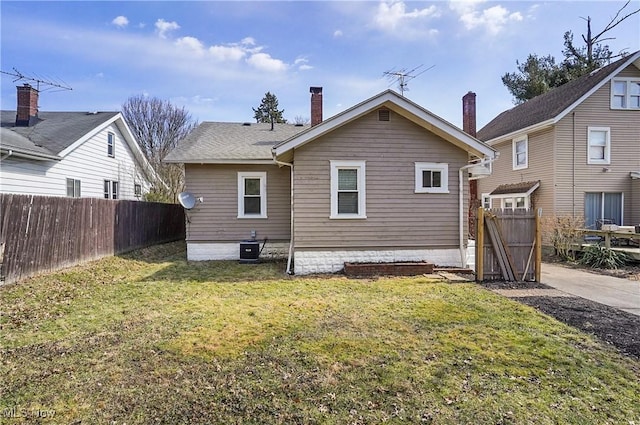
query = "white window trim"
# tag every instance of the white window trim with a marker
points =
(627, 93)
(262, 175)
(607, 148)
(113, 189)
(77, 185)
(362, 196)
(486, 197)
(514, 143)
(503, 198)
(443, 167)
(111, 145)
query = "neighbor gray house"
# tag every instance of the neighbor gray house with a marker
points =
(74, 154)
(574, 150)
(384, 181)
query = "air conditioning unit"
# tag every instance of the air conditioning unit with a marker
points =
(249, 251)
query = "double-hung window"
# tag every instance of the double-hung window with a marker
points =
(599, 140)
(111, 147)
(431, 177)
(110, 189)
(520, 153)
(625, 93)
(348, 196)
(73, 188)
(252, 194)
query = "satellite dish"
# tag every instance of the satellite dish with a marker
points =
(187, 200)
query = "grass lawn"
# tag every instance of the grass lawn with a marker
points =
(149, 338)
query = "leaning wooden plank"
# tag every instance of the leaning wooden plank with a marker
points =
(498, 247)
(513, 271)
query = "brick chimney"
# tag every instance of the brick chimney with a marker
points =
(469, 127)
(316, 105)
(27, 111)
(469, 113)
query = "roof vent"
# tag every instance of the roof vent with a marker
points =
(246, 124)
(383, 115)
(299, 124)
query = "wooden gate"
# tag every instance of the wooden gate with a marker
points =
(508, 245)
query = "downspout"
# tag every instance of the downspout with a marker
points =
(290, 255)
(9, 153)
(461, 212)
(573, 166)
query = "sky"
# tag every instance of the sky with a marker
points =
(218, 59)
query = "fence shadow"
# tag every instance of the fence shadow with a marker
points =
(42, 234)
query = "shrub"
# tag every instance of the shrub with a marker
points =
(563, 232)
(601, 257)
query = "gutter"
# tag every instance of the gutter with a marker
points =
(463, 254)
(7, 155)
(290, 255)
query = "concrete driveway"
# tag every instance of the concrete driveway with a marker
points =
(623, 294)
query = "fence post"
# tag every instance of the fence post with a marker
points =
(538, 243)
(480, 245)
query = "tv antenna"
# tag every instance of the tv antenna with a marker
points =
(402, 76)
(48, 83)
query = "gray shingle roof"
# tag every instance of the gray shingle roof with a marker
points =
(548, 105)
(522, 187)
(54, 131)
(214, 142)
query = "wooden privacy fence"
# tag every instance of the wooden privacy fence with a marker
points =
(508, 245)
(40, 234)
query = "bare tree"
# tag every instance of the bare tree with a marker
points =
(592, 53)
(538, 75)
(158, 127)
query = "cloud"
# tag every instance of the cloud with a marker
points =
(337, 33)
(302, 64)
(492, 19)
(120, 21)
(191, 44)
(227, 53)
(162, 27)
(393, 18)
(264, 62)
(392, 15)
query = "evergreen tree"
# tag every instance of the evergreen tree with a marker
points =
(268, 111)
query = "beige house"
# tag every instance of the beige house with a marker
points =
(574, 150)
(383, 181)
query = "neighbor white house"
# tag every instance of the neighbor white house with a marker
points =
(74, 154)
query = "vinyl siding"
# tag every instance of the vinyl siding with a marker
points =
(625, 151)
(396, 216)
(541, 167)
(88, 163)
(216, 219)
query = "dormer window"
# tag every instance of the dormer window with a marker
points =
(111, 148)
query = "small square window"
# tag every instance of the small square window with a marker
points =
(431, 177)
(137, 190)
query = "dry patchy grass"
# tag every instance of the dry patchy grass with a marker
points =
(150, 338)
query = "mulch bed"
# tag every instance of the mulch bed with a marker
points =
(610, 325)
